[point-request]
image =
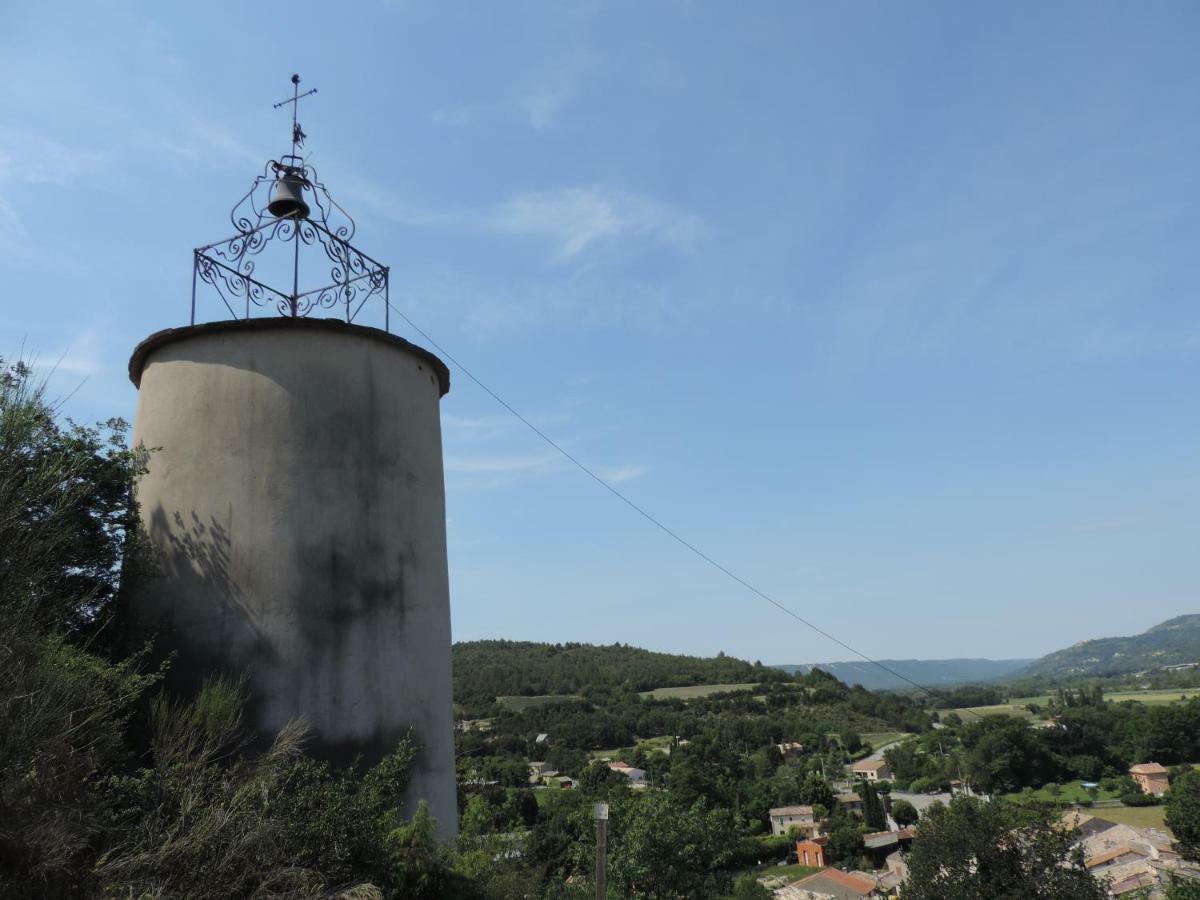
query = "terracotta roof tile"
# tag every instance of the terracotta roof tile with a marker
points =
(1150, 768)
(840, 878)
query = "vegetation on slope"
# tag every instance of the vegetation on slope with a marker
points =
(1170, 643)
(928, 672)
(485, 670)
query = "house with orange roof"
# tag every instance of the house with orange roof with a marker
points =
(872, 770)
(833, 884)
(811, 852)
(1151, 778)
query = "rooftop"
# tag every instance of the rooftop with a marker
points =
(1101, 859)
(1150, 768)
(869, 765)
(837, 878)
(792, 811)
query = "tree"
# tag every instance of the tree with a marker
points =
(815, 791)
(851, 741)
(904, 813)
(1004, 754)
(1183, 889)
(845, 843)
(597, 778)
(1183, 814)
(973, 849)
(748, 888)
(662, 851)
(873, 812)
(64, 502)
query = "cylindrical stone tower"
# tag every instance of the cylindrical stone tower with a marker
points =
(295, 505)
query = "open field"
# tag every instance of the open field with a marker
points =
(791, 873)
(1135, 816)
(660, 744)
(1070, 792)
(694, 691)
(1164, 696)
(1003, 709)
(1016, 706)
(517, 702)
(879, 739)
(1169, 695)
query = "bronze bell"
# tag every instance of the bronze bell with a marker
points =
(287, 196)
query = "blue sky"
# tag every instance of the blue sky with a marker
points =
(892, 308)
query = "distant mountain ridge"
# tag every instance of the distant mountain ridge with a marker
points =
(1173, 642)
(925, 672)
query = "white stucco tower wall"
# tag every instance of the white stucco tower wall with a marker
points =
(295, 507)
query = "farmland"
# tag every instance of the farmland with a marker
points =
(1017, 706)
(695, 691)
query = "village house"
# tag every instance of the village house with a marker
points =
(1151, 778)
(552, 778)
(872, 770)
(849, 801)
(811, 852)
(800, 817)
(879, 845)
(1130, 859)
(830, 884)
(790, 749)
(635, 775)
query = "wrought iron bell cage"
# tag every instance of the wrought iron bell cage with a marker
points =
(288, 204)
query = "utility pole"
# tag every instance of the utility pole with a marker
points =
(600, 810)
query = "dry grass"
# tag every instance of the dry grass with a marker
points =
(1135, 816)
(696, 690)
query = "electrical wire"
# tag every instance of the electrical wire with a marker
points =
(654, 521)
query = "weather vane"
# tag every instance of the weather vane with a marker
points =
(287, 203)
(298, 134)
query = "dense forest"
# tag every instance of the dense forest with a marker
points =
(485, 670)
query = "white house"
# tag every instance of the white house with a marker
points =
(801, 817)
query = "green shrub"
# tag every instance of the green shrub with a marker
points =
(1137, 798)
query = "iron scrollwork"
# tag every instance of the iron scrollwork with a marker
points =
(229, 266)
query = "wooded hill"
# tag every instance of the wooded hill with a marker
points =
(1173, 642)
(927, 672)
(484, 670)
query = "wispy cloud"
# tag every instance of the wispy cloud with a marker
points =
(10, 221)
(543, 99)
(196, 138)
(573, 220)
(620, 474)
(577, 218)
(504, 465)
(452, 116)
(83, 356)
(32, 158)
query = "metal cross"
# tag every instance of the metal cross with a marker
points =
(297, 134)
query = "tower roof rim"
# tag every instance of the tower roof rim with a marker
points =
(141, 353)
